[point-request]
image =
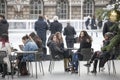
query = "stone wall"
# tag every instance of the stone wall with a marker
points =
(50, 8)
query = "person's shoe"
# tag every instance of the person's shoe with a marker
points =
(3, 75)
(94, 71)
(87, 65)
(67, 69)
(76, 71)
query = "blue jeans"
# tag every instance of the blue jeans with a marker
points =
(75, 61)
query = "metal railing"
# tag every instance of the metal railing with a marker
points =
(27, 26)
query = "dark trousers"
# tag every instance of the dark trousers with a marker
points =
(70, 43)
(22, 66)
(102, 57)
(3, 68)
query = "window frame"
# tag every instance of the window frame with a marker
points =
(89, 8)
(36, 8)
(62, 9)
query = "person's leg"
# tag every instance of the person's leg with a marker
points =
(94, 56)
(66, 61)
(75, 62)
(1, 68)
(94, 66)
(4, 70)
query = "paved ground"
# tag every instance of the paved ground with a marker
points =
(59, 74)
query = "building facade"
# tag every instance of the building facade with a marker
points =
(64, 9)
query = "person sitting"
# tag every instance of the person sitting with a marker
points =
(85, 43)
(5, 45)
(103, 56)
(38, 41)
(29, 45)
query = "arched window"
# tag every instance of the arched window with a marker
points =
(2, 7)
(36, 8)
(88, 8)
(62, 9)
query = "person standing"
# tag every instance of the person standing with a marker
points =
(107, 26)
(93, 23)
(69, 32)
(87, 22)
(41, 28)
(55, 26)
(3, 26)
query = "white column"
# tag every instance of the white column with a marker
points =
(82, 13)
(70, 10)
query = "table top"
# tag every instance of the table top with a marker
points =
(72, 48)
(26, 51)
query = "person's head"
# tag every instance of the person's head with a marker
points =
(68, 24)
(108, 35)
(54, 38)
(2, 17)
(25, 39)
(32, 35)
(59, 36)
(40, 17)
(83, 34)
(55, 18)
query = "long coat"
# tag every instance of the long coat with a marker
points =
(106, 27)
(41, 28)
(69, 32)
(3, 27)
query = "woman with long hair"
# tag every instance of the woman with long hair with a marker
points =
(85, 43)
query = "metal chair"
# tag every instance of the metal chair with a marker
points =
(3, 54)
(53, 59)
(86, 54)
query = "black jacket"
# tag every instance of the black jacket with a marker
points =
(84, 44)
(3, 27)
(69, 31)
(107, 26)
(55, 27)
(55, 50)
(41, 28)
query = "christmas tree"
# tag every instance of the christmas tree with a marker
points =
(114, 16)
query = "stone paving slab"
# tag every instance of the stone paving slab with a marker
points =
(59, 74)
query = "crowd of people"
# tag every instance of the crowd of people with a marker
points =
(37, 40)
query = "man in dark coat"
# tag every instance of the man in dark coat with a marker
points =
(3, 26)
(55, 26)
(69, 31)
(41, 28)
(106, 27)
(93, 23)
(87, 22)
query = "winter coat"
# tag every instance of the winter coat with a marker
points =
(41, 28)
(55, 27)
(106, 27)
(3, 27)
(29, 46)
(69, 31)
(93, 24)
(84, 44)
(55, 49)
